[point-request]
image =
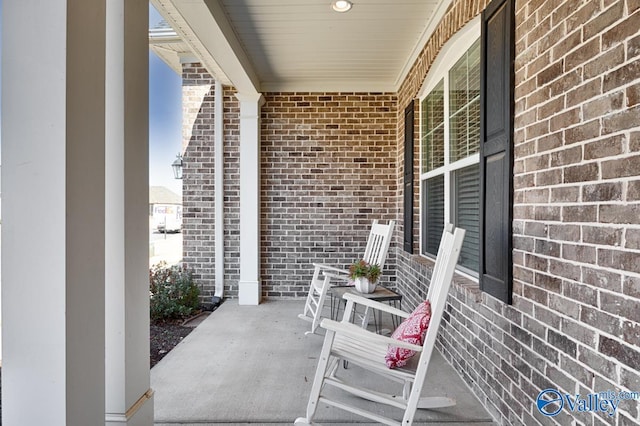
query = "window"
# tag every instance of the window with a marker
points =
(449, 147)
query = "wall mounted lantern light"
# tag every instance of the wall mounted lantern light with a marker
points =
(177, 167)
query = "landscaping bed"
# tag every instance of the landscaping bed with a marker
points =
(164, 337)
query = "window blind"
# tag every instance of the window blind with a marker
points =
(467, 213)
(434, 212)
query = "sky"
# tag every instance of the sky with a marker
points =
(165, 116)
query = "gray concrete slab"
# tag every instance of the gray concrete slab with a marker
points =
(254, 365)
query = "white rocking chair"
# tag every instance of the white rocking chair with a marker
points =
(349, 342)
(374, 253)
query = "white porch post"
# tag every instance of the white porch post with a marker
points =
(129, 401)
(53, 190)
(249, 291)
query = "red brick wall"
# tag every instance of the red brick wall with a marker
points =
(328, 170)
(198, 189)
(576, 218)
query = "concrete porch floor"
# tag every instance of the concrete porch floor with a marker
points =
(254, 365)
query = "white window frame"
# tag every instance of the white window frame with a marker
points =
(451, 52)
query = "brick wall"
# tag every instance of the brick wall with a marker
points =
(198, 191)
(328, 167)
(577, 162)
(573, 325)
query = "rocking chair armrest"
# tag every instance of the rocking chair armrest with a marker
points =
(336, 276)
(375, 305)
(358, 333)
(330, 268)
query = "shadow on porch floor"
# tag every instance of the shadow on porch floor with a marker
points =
(254, 365)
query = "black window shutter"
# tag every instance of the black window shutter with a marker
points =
(408, 178)
(496, 149)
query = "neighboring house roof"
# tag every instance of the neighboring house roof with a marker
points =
(169, 47)
(163, 195)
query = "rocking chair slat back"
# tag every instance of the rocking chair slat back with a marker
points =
(375, 253)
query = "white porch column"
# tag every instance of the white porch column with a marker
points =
(53, 190)
(249, 291)
(129, 401)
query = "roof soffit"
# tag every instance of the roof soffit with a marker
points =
(288, 45)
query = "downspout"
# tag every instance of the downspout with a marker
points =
(219, 192)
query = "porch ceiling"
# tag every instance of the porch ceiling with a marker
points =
(294, 45)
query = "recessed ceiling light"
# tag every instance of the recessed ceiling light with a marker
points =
(341, 5)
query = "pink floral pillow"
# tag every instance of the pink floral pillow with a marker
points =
(412, 330)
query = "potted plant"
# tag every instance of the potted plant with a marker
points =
(364, 276)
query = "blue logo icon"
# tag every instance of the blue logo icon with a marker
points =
(549, 402)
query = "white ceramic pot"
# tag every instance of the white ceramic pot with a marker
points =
(364, 286)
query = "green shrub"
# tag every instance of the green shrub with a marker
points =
(173, 292)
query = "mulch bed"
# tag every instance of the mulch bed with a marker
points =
(164, 337)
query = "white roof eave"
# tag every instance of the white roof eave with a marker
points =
(203, 26)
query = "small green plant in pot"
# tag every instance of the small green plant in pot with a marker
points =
(364, 276)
